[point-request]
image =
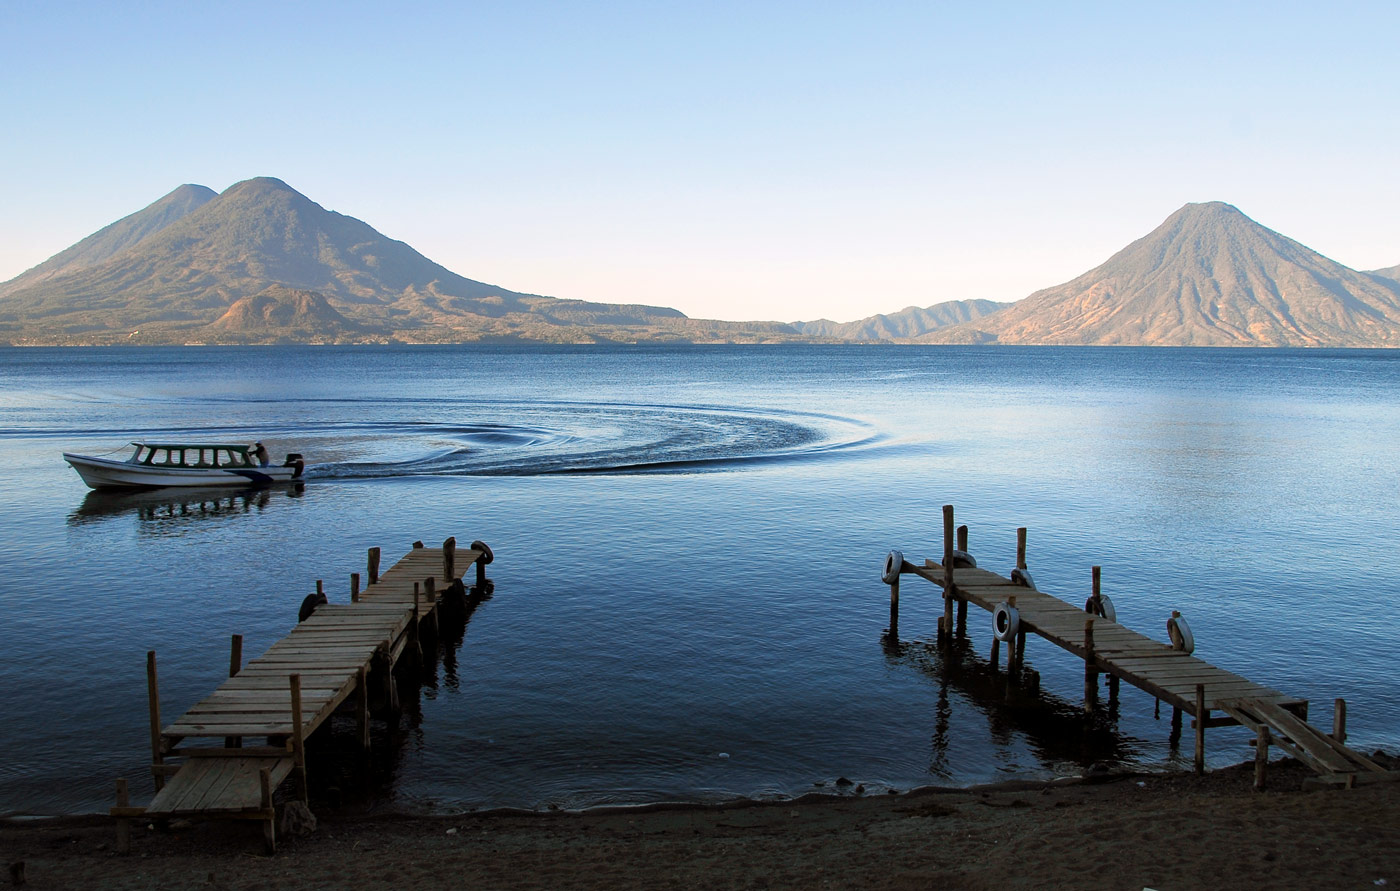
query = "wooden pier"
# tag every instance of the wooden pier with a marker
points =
(337, 652)
(1212, 696)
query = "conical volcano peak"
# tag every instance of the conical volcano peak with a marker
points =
(260, 185)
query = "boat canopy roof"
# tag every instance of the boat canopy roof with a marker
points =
(231, 446)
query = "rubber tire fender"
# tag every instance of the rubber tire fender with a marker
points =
(1022, 577)
(894, 562)
(1180, 633)
(1006, 621)
(964, 559)
(487, 558)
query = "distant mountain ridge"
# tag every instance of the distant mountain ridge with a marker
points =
(1208, 276)
(262, 263)
(912, 321)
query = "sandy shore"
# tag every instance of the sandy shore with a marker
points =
(1132, 832)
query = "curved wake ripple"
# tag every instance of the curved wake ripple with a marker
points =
(531, 439)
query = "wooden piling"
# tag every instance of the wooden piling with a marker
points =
(298, 741)
(373, 566)
(153, 702)
(362, 706)
(1261, 756)
(948, 531)
(320, 589)
(995, 658)
(1091, 674)
(265, 800)
(1021, 548)
(1339, 720)
(449, 560)
(235, 664)
(354, 587)
(894, 607)
(1202, 715)
(962, 538)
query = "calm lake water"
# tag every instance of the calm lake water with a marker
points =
(689, 543)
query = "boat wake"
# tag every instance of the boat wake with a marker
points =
(528, 439)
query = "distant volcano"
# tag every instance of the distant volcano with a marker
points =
(187, 267)
(1208, 276)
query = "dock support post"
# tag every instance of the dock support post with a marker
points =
(449, 560)
(354, 587)
(481, 581)
(427, 631)
(415, 650)
(1175, 735)
(1021, 548)
(123, 823)
(995, 658)
(1339, 720)
(298, 741)
(894, 607)
(153, 701)
(1091, 673)
(373, 566)
(362, 706)
(235, 665)
(269, 813)
(962, 538)
(946, 625)
(1202, 715)
(1261, 756)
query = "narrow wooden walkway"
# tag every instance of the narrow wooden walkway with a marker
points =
(1213, 696)
(291, 690)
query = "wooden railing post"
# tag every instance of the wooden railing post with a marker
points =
(354, 587)
(373, 566)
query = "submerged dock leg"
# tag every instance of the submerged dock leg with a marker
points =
(153, 703)
(1202, 715)
(945, 627)
(894, 607)
(1261, 756)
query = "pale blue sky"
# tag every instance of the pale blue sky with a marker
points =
(742, 161)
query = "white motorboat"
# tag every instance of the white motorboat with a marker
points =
(158, 464)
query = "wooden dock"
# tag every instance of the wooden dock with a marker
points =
(1212, 696)
(338, 652)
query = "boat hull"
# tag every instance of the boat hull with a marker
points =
(100, 473)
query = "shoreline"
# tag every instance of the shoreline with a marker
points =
(1134, 831)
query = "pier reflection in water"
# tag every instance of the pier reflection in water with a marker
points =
(1057, 732)
(163, 511)
(340, 773)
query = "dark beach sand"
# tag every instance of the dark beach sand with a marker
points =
(1162, 831)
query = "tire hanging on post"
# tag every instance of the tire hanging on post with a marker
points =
(894, 563)
(1180, 633)
(1006, 622)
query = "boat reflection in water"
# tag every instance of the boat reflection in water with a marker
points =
(161, 511)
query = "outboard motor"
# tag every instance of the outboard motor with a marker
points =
(294, 461)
